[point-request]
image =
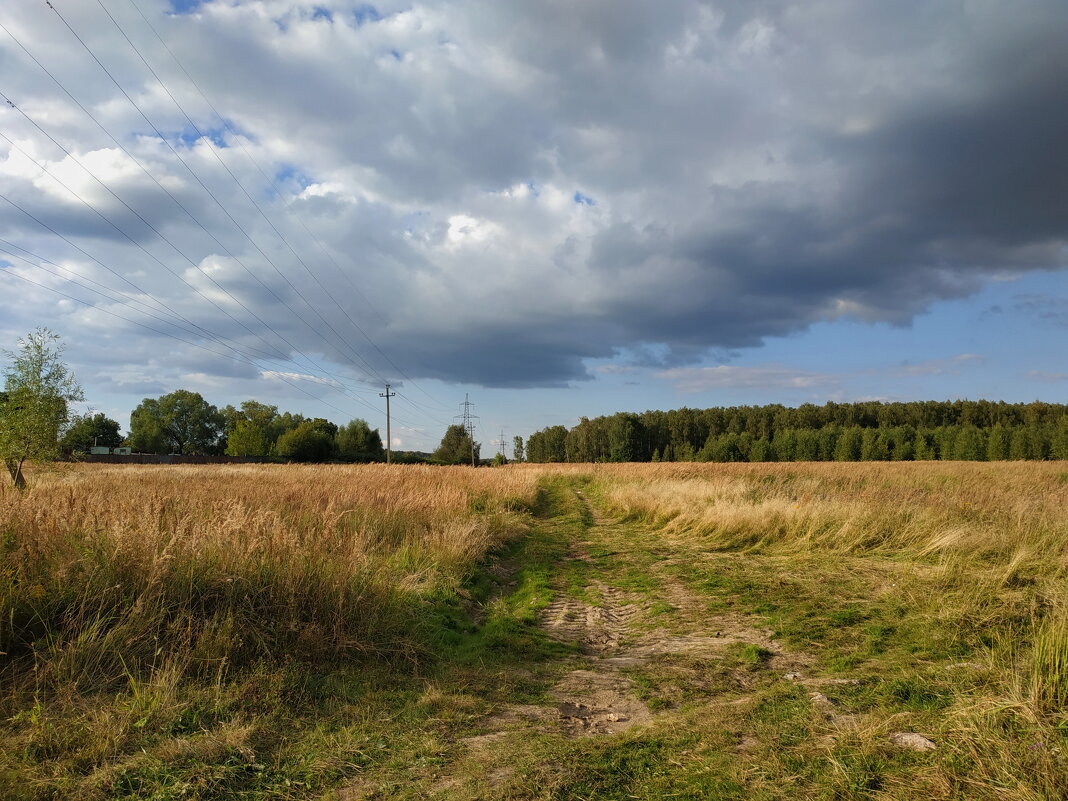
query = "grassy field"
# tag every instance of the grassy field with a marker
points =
(536, 632)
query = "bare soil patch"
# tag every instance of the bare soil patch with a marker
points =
(618, 633)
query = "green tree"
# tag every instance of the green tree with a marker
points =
(684, 452)
(922, 449)
(517, 449)
(358, 442)
(761, 450)
(970, 444)
(247, 439)
(997, 443)
(308, 442)
(1019, 445)
(902, 441)
(873, 446)
(89, 430)
(828, 439)
(548, 445)
(1059, 444)
(808, 445)
(623, 438)
(945, 438)
(250, 430)
(323, 426)
(848, 446)
(784, 443)
(284, 422)
(456, 447)
(181, 422)
(38, 391)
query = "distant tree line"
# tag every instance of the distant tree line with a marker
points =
(842, 432)
(184, 422)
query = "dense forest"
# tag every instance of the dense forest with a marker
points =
(842, 432)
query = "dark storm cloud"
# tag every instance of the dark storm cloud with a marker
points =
(551, 356)
(948, 187)
(500, 191)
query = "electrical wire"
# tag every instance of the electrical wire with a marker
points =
(132, 241)
(103, 291)
(163, 333)
(345, 344)
(163, 188)
(278, 192)
(416, 405)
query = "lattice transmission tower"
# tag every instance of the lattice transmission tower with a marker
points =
(468, 423)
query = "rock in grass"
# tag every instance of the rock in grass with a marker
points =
(912, 740)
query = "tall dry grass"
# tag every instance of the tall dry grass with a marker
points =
(975, 553)
(109, 573)
(1008, 515)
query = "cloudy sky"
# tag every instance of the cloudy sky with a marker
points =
(562, 208)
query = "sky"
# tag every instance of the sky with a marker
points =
(558, 209)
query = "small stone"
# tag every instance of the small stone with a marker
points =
(792, 676)
(823, 704)
(912, 740)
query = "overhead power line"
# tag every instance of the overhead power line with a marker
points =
(211, 147)
(163, 333)
(244, 357)
(238, 139)
(153, 178)
(132, 241)
(296, 290)
(278, 191)
(315, 367)
(200, 330)
(109, 293)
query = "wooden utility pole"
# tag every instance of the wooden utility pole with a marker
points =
(389, 437)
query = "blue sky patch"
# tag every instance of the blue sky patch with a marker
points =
(290, 172)
(584, 200)
(232, 128)
(189, 137)
(320, 12)
(185, 6)
(365, 14)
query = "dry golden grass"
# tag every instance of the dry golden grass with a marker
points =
(140, 602)
(109, 569)
(1014, 514)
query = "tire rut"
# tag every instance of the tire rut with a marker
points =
(600, 698)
